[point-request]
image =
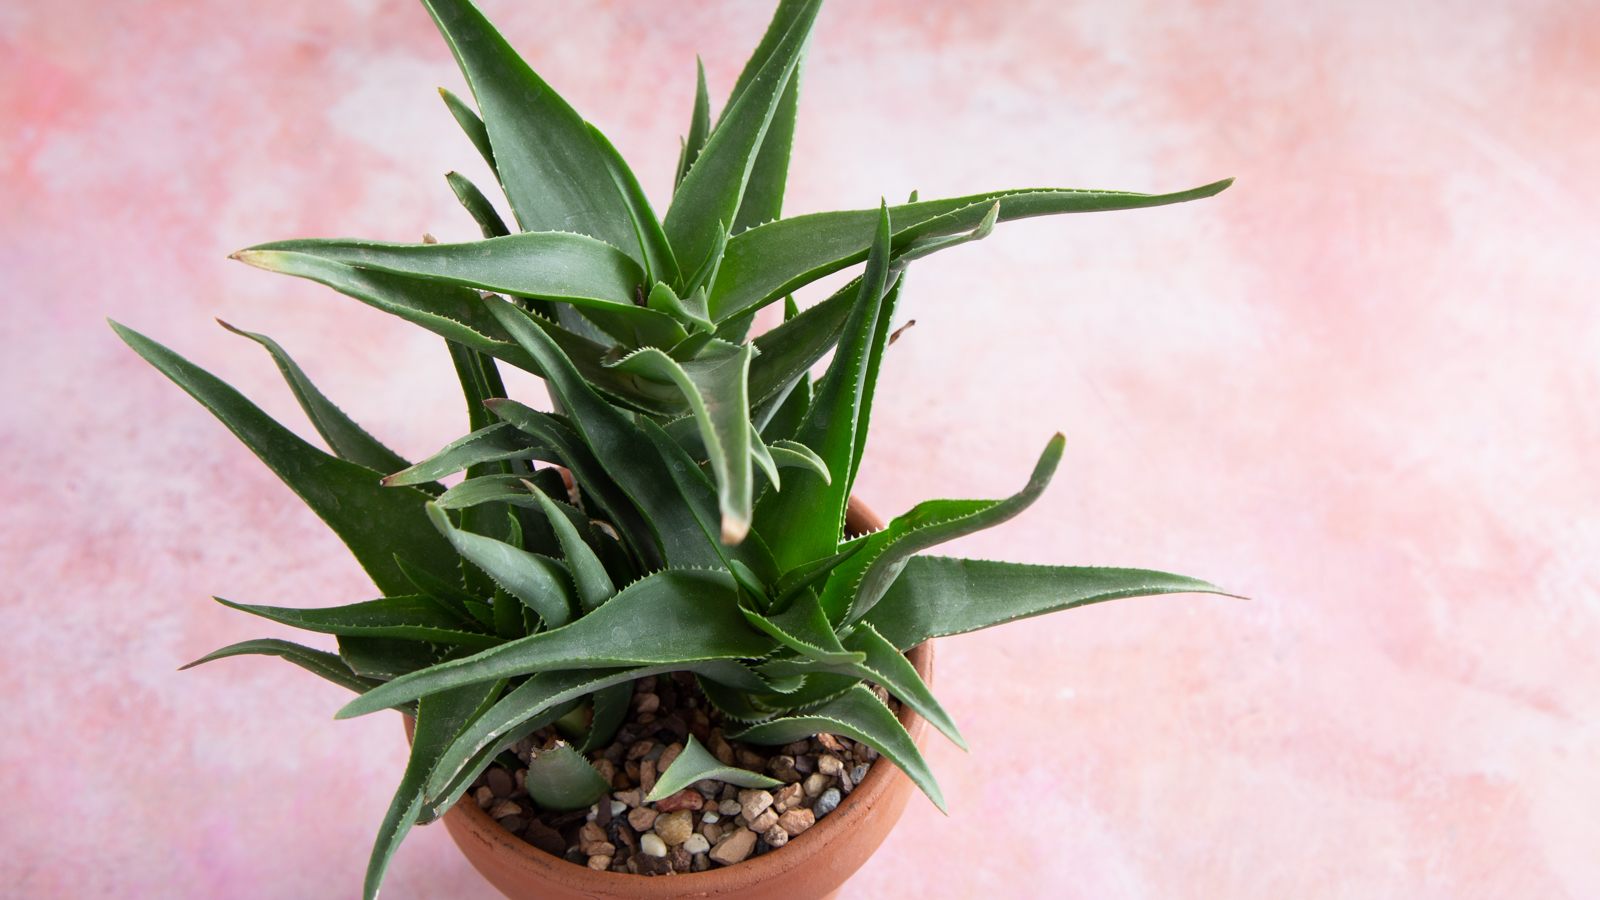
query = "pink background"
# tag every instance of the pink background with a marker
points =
(1360, 387)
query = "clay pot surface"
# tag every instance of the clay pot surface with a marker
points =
(810, 867)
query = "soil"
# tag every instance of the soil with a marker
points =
(705, 826)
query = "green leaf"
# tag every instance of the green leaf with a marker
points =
(673, 616)
(937, 596)
(347, 439)
(385, 658)
(715, 186)
(413, 618)
(619, 445)
(714, 384)
(539, 582)
(610, 707)
(763, 193)
(885, 665)
(863, 582)
(343, 494)
(768, 261)
(789, 454)
(805, 629)
(454, 313)
(449, 595)
(694, 764)
(659, 264)
(437, 804)
(690, 314)
(493, 443)
(699, 126)
(482, 211)
(561, 780)
(779, 416)
(317, 662)
(594, 585)
(801, 577)
(548, 265)
(554, 175)
(439, 719)
(788, 352)
(468, 119)
(860, 716)
(805, 521)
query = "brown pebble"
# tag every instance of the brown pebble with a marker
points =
(621, 781)
(766, 820)
(639, 750)
(504, 808)
(628, 798)
(720, 748)
(815, 784)
(782, 768)
(749, 759)
(546, 838)
(647, 776)
(752, 803)
(521, 778)
(680, 858)
(845, 784)
(674, 828)
(602, 811)
(712, 832)
(606, 768)
(642, 818)
(805, 765)
(500, 782)
(645, 685)
(865, 754)
(667, 756)
(642, 863)
(631, 769)
(591, 834)
(484, 797)
(830, 743)
(775, 836)
(599, 863)
(797, 748)
(701, 863)
(735, 847)
(688, 798)
(796, 821)
(829, 765)
(786, 798)
(513, 824)
(646, 703)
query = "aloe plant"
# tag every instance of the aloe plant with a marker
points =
(689, 513)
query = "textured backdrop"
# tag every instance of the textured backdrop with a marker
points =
(1360, 387)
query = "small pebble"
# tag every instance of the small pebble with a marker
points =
(708, 788)
(591, 835)
(720, 748)
(606, 849)
(607, 769)
(484, 797)
(796, 821)
(697, 843)
(500, 782)
(639, 750)
(710, 818)
(675, 827)
(667, 757)
(787, 798)
(827, 803)
(830, 743)
(775, 836)
(522, 783)
(760, 824)
(700, 863)
(845, 784)
(646, 703)
(805, 765)
(599, 863)
(749, 759)
(618, 807)
(815, 784)
(505, 808)
(712, 833)
(782, 768)
(680, 858)
(865, 753)
(734, 848)
(513, 824)
(647, 776)
(688, 798)
(642, 818)
(645, 864)
(828, 764)
(629, 799)
(859, 773)
(653, 845)
(751, 803)
(796, 748)
(729, 807)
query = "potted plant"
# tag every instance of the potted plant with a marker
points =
(689, 547)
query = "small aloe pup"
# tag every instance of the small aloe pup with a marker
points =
(689, 513)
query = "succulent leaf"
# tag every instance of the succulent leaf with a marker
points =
(317, 662)
(792, 454)
(476, 204)
(936, 595)
(594, 585)
(659, 264)
(386, 658)
(858, 715)
(805, 521)
(492, 443)
(345, 438)
(675, 616)
(554, 175)
(541, 583)
(438, 803)
(714, 188)
(343, 494)
(788, 352)
(768, 261)
(778, 417)
(928, 524)
(561, 780)
(699, 126)
(714, 384)
(416, 618)
(609, 706)
(690, 312)
(470, 123)
(451, 596)
(439, 718)
(886, 665)
(694, 764)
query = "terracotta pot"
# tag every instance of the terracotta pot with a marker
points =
(810, 867)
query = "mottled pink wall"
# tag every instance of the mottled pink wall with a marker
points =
(1360, 387)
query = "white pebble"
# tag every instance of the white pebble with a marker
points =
(710, 818)
(697, 843)
(594, 813)
(618, 808)
(654, 845)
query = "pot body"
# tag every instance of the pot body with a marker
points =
(810, 867)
